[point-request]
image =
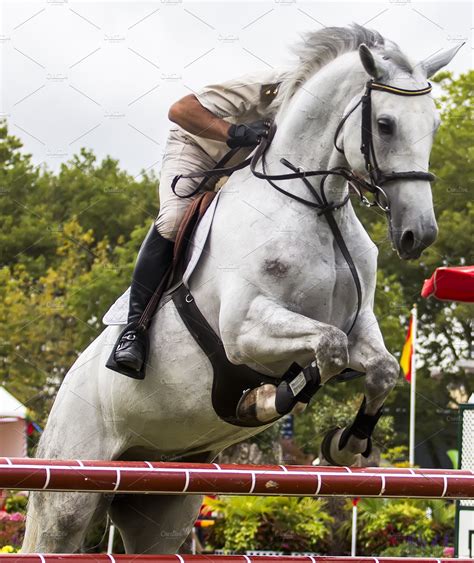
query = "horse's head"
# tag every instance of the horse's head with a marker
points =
(402, 123)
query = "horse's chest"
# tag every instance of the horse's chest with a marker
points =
(312, 276)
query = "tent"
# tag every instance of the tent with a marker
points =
(13, 426)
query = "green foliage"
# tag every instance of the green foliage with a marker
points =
(411, 523)
(68, 245)
(275, 523)
(397, 456)
(454, 457)
(35, 204)
(391, 524)
(16, 503)
(407, 549)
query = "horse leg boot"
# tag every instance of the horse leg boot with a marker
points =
(153, 262)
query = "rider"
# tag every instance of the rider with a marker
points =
(231, 114)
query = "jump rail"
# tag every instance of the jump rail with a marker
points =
(195, 478)
(80, 558)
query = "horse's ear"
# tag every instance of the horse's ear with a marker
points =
(434, 63)
(371, 62)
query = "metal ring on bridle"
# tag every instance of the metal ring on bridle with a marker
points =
(379, 191)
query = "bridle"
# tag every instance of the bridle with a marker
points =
(376, 177)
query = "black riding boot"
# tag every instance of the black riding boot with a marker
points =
(153, 261)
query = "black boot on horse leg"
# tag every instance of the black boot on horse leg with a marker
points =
(153, 263)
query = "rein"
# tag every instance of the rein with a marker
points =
(377, 178)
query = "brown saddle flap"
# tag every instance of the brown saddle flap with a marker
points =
(191, 218)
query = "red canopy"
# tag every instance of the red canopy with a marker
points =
(451, 284)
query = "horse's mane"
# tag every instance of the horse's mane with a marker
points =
(318, 48)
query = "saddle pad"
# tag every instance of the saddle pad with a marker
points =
(196, 245)
(118, 312)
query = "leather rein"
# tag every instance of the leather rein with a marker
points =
(377, 178)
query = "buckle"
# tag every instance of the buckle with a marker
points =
(129, 336)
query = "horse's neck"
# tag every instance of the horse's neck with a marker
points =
(306, 127)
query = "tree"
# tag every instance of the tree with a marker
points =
(68, 251)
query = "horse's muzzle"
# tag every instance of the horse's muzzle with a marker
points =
(410, 244)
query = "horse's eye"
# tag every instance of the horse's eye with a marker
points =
(385, 125)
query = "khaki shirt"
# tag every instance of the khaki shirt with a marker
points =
(244, 99)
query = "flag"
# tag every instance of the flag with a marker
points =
(407, 352)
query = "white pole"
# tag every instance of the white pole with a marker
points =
(193, 541)
(354, 530)
(110, 544)
(411, 448)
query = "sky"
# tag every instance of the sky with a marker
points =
(102, 75)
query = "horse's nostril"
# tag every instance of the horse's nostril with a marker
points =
(407, 242)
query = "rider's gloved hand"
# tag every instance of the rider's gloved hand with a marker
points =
(247, 134)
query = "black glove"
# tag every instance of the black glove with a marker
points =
(247, 134)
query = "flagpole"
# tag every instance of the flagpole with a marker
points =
(411, 448)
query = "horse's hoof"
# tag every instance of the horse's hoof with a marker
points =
(258, 405)
(331, 452)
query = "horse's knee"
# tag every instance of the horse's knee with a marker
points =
(382, 374)
(331, 351)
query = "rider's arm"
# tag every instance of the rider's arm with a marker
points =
(189, 114)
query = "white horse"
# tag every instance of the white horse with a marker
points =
(272, 283)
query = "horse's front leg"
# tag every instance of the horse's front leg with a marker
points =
(368, 354)
(269, 339)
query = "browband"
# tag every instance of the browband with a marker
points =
(400, 91)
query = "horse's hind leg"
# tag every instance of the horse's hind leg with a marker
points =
(58, 522)
(154, 523)
(76, 429)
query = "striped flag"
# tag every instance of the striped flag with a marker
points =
(407, 353)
